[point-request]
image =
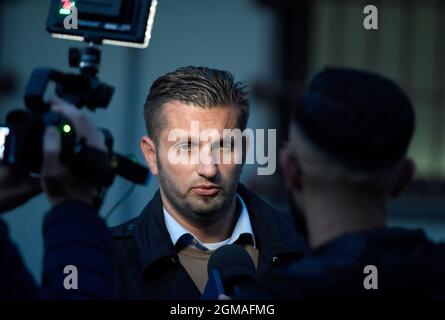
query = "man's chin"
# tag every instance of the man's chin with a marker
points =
(206, 207)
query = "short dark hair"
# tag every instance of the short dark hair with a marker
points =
(200, 86)
(363, 120)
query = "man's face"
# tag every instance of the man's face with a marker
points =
(193, 181)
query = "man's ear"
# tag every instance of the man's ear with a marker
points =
(291, 170)
(405, 177)
(148, 149)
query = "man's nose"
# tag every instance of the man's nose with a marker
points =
(207, 165)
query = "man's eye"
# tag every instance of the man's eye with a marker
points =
(226, 146)
(185, 146)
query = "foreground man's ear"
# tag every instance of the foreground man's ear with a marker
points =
(405, 177)
(148, 149)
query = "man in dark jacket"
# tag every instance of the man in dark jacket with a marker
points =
(346, 157)
(190, 116)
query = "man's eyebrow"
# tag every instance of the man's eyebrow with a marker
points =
(188, 139)
(178, 139)
(191, 139)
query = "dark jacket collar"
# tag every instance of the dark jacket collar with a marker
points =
(151, 235)
(272, 228)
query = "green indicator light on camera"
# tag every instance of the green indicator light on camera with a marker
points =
(66, 128)
(114, 162)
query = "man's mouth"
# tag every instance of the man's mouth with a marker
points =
(206, 190)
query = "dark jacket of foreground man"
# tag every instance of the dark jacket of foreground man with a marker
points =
(73, 234)
(408, 264)
(149, 268)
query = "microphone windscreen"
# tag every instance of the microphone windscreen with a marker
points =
(231, 261)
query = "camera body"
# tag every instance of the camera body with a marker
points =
(22, 138)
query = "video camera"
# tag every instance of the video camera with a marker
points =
(116, 22)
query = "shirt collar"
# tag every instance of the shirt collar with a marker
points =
(178, 232)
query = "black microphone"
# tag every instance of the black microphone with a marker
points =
(237, 272)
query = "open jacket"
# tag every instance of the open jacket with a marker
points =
(148, 265)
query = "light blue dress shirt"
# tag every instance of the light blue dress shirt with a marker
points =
(178, 232)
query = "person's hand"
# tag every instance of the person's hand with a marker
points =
(16, 188)
(57, 180)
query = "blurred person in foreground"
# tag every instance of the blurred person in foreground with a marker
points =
(346, 157)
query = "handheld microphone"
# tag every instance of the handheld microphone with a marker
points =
(237, 272)
(214, 286)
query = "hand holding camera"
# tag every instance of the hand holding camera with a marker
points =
(58, 181)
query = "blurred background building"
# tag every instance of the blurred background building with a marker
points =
(274, 46)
